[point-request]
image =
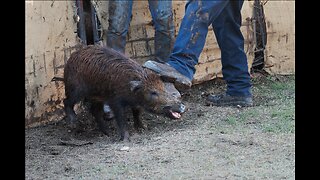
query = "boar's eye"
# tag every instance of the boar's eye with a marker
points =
(154, 95)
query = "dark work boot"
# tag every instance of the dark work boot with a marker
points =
(228, 100)
(169, 74)
(108, 113)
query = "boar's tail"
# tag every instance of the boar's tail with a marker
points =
(57, 79)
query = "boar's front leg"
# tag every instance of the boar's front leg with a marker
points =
(136, 119)
(122, 124)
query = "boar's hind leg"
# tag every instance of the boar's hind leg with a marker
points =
(136, 119)
(71, 115)
(97, 112)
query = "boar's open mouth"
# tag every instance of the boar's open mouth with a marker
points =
(174, 112)
(174, 115)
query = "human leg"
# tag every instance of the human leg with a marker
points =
(161, 12)
(192, 34)
(119, 20)
(189, 42)
(233, 58)
(231, 42)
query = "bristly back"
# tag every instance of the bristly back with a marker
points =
(95, 61)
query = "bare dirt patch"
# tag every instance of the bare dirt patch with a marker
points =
(208, 142)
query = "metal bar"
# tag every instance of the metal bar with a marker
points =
(261, 24)
(94, 24)
(81, 25)
(254, 32)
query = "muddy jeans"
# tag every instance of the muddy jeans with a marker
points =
(225, 17)
(120, 13)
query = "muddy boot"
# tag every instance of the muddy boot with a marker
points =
(169, 74)
(227, 100)
(108, 113)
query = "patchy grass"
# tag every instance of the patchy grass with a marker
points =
(280, 110)
(281, 121)
(274, 109)
(232, 120)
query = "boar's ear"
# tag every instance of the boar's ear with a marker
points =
(135, 85)
(167, 79)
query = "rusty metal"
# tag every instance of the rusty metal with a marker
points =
(94, 24)
(259, 35)
(81, 23)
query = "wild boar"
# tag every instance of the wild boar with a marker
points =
(102, 75)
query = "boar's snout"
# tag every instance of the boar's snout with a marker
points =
(179, 108)
(174, 111)
(176, 108)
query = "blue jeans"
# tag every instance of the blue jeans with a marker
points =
(225, 18)
(119, 20)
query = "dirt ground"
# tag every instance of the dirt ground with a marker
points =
(208, 142)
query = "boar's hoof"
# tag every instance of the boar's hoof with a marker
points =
(140, 126)
(125, 137)
(72, 125)
(105, 132)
